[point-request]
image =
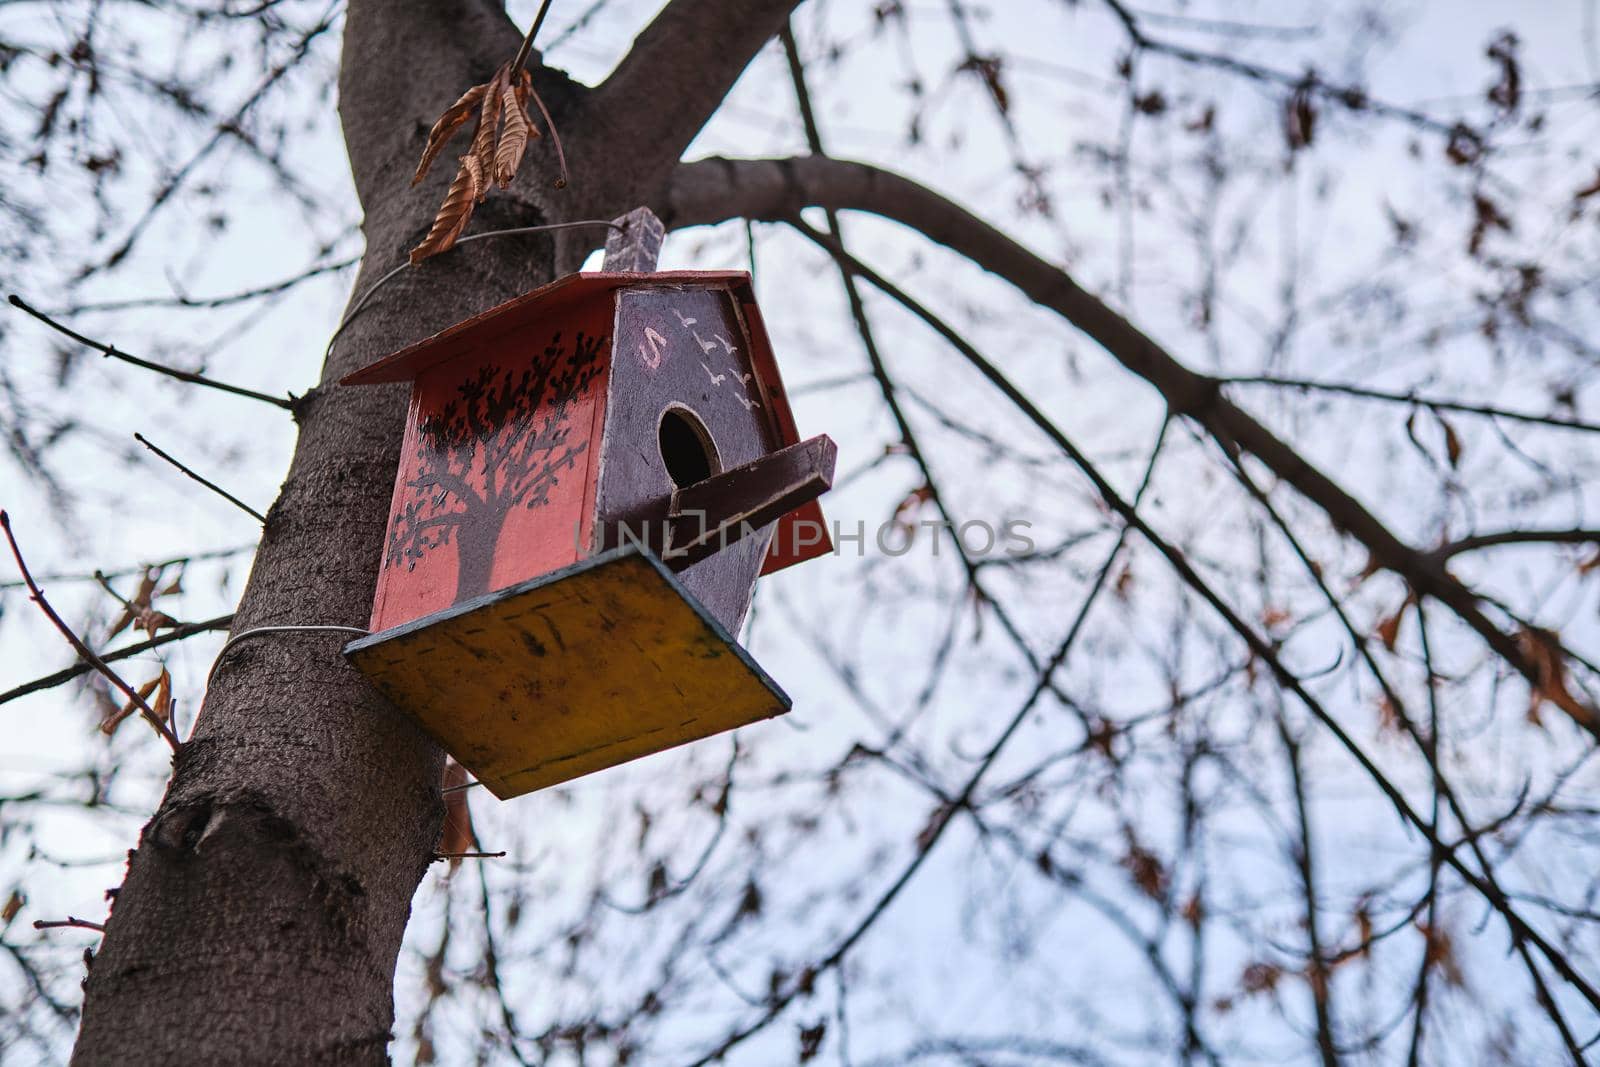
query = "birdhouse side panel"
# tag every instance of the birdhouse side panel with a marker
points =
(684, 403)
(497, 469)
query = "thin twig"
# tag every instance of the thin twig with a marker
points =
(172, 372)
(1484, 885)
(1517, 537)
(67, 674)
(1411, 398)
(944, 815)
(213, 486)
(37, 596)
(516, 68)
(1471, 837)
(104, 583)
(1350, 96)
(53, 924)
(555, 138)
(527, 42)
(183, 301)
(437, 856)
(193, 557)
(491, 969)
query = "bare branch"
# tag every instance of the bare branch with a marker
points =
(714, 190)
(37, 596)
(72, 921)
(67, 674)
(183, 300)
(140, 569)
(213, 486)
(680, 69)
(1352, 97)
(1412, 398)
(1259, 646)
(286, 403)
(1517, 537)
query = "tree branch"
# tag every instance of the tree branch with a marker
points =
(1260, 647)
(1517, 537)
(67, 674)
(213, 486)
(1365, 393)
(714, 190)
(680, 69)
(287, 403)
(37, 596)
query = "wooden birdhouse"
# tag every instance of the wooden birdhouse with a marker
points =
(591, 479)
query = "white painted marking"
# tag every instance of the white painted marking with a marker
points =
(652, 348)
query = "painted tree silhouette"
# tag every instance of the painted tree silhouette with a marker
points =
(499, 445)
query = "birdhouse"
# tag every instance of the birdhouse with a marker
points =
(592, 476)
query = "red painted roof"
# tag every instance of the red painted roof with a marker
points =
(407, 364)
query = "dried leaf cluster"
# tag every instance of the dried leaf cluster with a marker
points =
(457, 836)
(140, 612)
(499, 140)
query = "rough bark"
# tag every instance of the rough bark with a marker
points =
(264, 906)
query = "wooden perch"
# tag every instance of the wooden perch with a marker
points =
(715, 512)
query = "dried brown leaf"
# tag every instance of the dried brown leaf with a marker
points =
(514, 139)
(1260, 978)
(457, 835)
(147, 589)
(905, 512)
(13, 905)
(988, 68)
(109, 724)
(1389, 719)
(1364, 928)
(1145, 868)
(1300, 116)
(934, 827)
(1543, 650)
(454, 115)
(811, 1040)
(163, 702)
(1440, 953)
(151, 620)
(1506, 93)
(1389, 629)
(487, 135)
(524, 89)
(127, 616)
(1452, 441)
(1592, 188)
(454, 212)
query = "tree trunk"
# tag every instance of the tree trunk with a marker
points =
(263, 909)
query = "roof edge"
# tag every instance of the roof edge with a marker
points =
(410, 362)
